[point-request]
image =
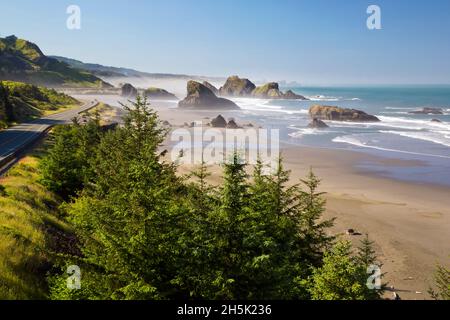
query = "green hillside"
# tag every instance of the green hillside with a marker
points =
(20, 101)
(31, 232)
(21, 60)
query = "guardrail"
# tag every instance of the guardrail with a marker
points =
(7, 161)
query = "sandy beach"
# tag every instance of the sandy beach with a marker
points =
(409, 222)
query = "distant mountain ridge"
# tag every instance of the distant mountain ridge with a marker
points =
(107, 71)
(21, 60)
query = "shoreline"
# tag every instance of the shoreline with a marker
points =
(408, 221)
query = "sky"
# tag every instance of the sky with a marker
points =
(313, 42)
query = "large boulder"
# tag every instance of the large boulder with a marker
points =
(200, 97)
(219, 122)
(292, 95)
(158, 93)
(272, 91)
(428, 110)
(317, 124)
(232, 124)
(211, 87)
(237, 87)
(268, 91)
(129, 91)
(340, 114)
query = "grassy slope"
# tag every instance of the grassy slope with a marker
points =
(21, 60)
(26, 101)
(30, 231)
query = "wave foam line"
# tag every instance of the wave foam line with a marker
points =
(355, 142)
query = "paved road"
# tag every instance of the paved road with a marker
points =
(18, 137)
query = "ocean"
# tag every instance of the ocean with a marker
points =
(399, 135)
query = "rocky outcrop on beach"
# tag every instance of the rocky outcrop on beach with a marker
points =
(340, 114)
(272, 91)
(158, 93)
(211, 87)
(129, 91)
(232, 124)
(292, 95)
(219, 122)
(200, 97)
(428, 110)
(237, 87)
(317, 124)
(268, 91)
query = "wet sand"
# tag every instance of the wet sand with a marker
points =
(409, 222)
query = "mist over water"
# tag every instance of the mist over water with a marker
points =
(399, 135)
(175, 85)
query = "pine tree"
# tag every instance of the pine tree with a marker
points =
(441, 283)
(133, 221)
(313, 227)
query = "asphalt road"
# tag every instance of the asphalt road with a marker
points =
(14, 139)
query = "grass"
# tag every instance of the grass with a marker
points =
(31, 231)
(20, 102)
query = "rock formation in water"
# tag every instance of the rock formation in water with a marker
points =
(158, 93)
(211, 87)
(428, 110)
(129, 91)
(237, 87)
(340, 114)
(317, 124)
(219, 122)
(200, 97)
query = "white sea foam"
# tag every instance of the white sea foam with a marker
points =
(250, 104)
(323, 98)
(399, 108)
(435, 137)
(396, 123)
(306, 131)
(352, 140)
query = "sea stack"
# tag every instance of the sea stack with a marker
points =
(268, 91)
(129, 91)
(211, 87)
(237, 87)
(219, 122)
(158, 93)
(317, 124)
(340, 114)
(200, 97)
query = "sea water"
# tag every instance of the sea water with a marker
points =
(399, 135)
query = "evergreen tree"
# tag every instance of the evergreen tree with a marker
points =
(313, 227)
(442, 284)
(132, 219)
(343, 276)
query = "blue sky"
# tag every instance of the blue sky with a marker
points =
(310, 41)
